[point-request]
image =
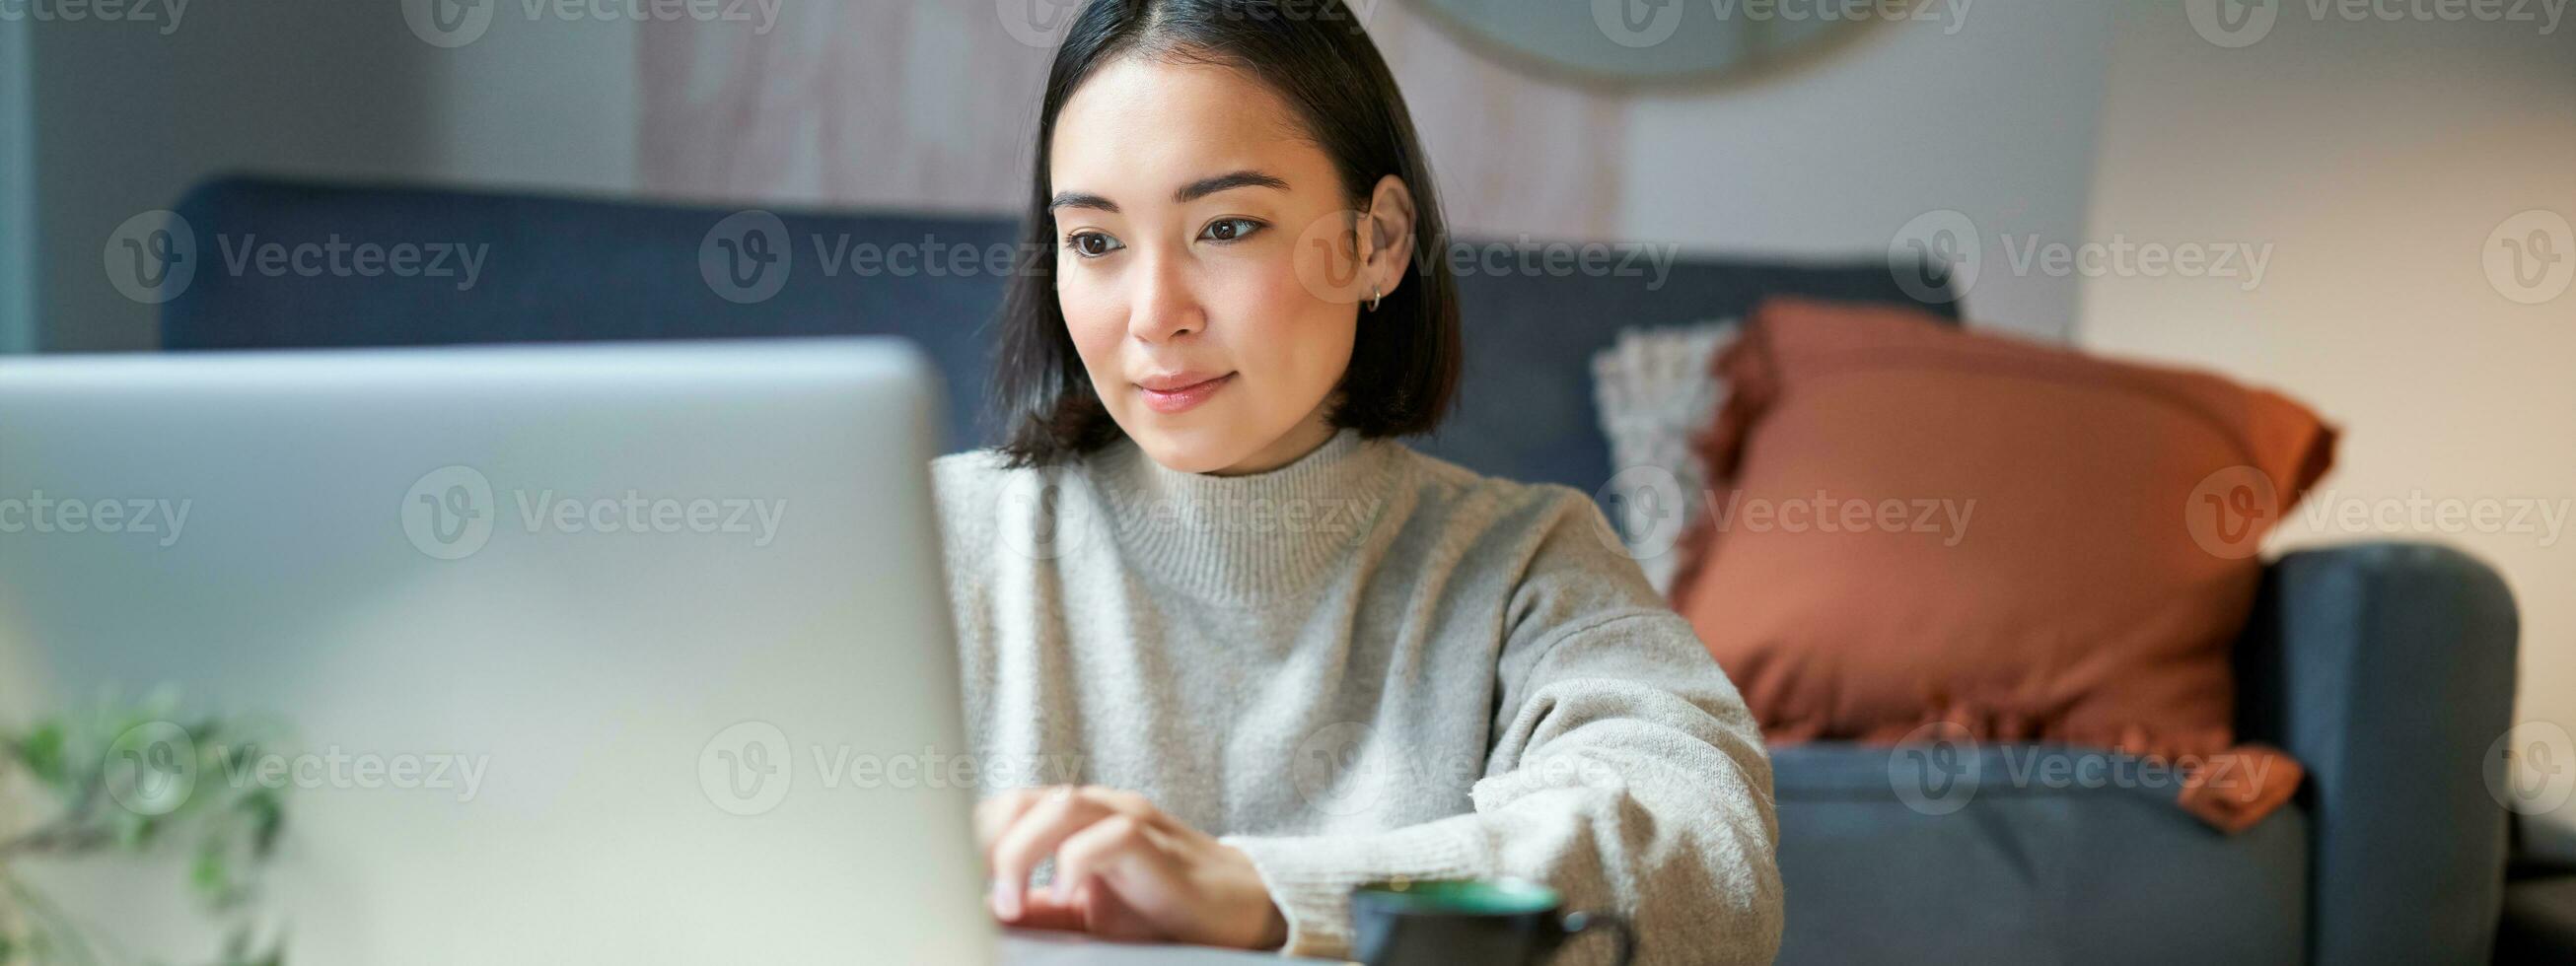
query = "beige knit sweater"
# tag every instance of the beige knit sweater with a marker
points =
(1367, 664)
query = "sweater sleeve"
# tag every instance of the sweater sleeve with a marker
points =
(1625, 772)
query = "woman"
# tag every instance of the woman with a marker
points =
(1271, 652)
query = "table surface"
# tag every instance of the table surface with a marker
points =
(1040, 947)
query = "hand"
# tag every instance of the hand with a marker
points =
(1123, 870)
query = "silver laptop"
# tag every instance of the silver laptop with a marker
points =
(572, 654)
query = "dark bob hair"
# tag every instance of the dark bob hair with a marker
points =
(1318, 57)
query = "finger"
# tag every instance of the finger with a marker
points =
(1119, 850)
(996, 814)
(1043, 912)
(1034, 837)
(1107, 915)
(1129, 878)
(1124, 802)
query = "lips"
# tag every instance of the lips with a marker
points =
(1181, 392)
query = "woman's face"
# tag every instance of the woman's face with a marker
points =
(1183, 194)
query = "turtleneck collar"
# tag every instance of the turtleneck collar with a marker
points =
(1237, 538)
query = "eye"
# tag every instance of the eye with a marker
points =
(1231, 229)
(1091, 244)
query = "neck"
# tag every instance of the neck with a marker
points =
(1245, 536)
(1306, 438)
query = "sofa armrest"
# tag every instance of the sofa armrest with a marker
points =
(2388, 671)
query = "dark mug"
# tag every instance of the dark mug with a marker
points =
(1502, 922)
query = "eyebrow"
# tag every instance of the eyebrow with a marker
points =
(1190, 192)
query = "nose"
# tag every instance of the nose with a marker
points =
(1164, 307)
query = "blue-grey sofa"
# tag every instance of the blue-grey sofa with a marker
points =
(2386, 669)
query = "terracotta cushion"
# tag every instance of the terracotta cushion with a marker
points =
(1911, 525)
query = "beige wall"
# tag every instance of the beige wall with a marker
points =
(2377, 159)
(1989, 113)
(933, 105)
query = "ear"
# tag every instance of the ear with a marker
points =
(1386, 234)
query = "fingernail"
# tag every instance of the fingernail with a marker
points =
(1006, 902)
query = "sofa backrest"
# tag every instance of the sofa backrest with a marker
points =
(531, 268)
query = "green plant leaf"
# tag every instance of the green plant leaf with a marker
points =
(41, 752)
(228, 831)
(208, 874)
(134, 830)
(268, 820)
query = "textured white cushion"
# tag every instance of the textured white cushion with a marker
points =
(1655, 393)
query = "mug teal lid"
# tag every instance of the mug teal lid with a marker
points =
(1481, 897)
